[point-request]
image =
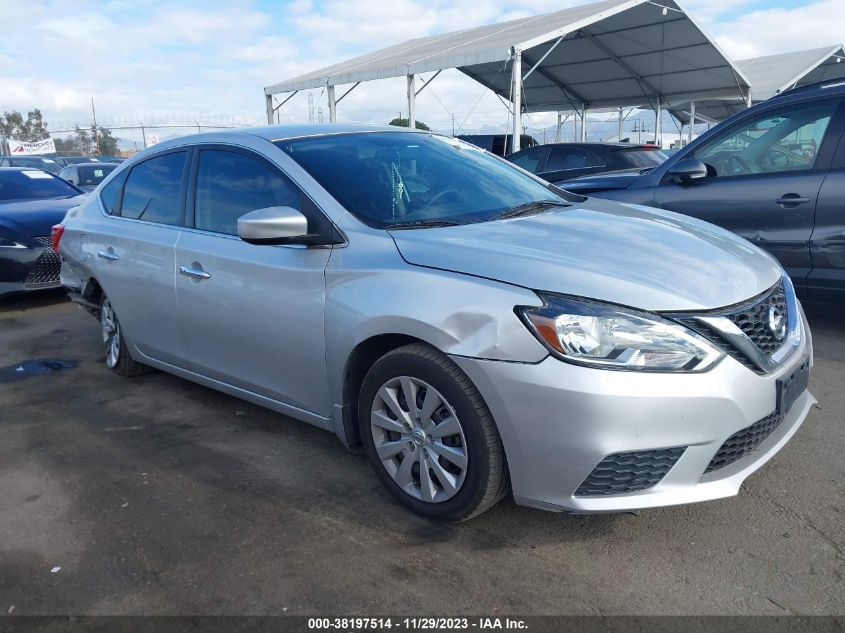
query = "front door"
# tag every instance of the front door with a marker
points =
(767, 172)
(253, 314)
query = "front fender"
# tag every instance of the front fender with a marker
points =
(372, 291)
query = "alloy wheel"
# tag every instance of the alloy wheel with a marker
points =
(111, 334)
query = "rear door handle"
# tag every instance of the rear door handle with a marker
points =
(108, 254)
(196, 273)
(791, 200)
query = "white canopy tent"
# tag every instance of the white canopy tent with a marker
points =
(607, 54)
(769, 76)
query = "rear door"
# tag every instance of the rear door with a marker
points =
(132, 252)
(253, 314)
(769, 168)
(827, 245)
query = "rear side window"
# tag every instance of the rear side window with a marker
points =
(93, 175)
(561, 159)
(110, 195)
(153, 190)
(643, 157)
(230, 184)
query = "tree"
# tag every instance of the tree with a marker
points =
(85, 144)
(33, 128)
(400, 122)
(108, 143)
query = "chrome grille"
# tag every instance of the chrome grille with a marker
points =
(752, 319)
(46, 269)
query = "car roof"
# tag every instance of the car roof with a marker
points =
(22, 169)
(91, 164)
(285, 132)
(28, 156)
(823, 87)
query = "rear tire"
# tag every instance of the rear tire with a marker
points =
(429, 435)
(117, 353)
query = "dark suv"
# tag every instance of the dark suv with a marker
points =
(774, 173)
(557, 162)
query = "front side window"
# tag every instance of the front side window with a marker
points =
(529, 160)
(781, 141)
(230, 184)
(153, 190)
(387, 178)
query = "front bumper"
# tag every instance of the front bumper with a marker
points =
(558, 421)
(25, 269)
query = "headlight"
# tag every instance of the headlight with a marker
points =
(609, 337)
(7, 243)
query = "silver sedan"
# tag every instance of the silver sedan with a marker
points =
(479, 331)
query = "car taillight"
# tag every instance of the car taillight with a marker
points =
(56, 232)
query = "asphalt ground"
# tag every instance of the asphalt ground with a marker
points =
(154, 495)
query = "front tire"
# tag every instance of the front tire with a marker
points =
(117, 354)
(429, 435)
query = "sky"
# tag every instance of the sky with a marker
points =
(191, 62)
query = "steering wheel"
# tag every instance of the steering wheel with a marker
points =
(737, 165)
(442, 194)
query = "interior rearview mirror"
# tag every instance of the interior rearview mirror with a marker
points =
(688, 170)
(274, 225)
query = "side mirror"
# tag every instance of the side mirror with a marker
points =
(274, 225)
(688, 170)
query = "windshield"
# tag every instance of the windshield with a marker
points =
(644, 157)
(33, 183)
(89, 175)
(389, 178)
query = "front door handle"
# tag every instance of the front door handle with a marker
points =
(108, 254)
(196, 273)
(791, 200)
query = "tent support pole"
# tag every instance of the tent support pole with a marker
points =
(583, 123)
(412, 102)
(332, 104)
(516, 80)
(621, 119)
(658, 131)
(691, 120)
(559, 124)
(268, 102)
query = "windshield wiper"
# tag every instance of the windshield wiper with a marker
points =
(420, 224)
(531, 207)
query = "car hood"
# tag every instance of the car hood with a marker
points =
(32, 218)
(630, 255)
(621, 179)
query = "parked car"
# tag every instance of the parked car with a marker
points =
(111, 159)
(558, 162)
(39, 162)
(475, 328)
(64, 161)
(774, 174)
(31, 202)
(498, 144)
(87, 176)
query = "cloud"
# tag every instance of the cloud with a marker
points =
(160, 61)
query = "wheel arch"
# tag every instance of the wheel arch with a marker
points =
(358, 363)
